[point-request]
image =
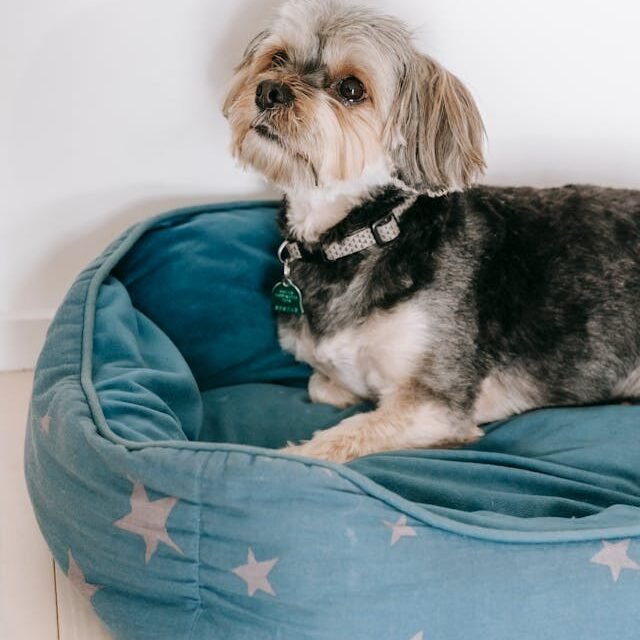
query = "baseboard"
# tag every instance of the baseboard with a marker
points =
(21, 339)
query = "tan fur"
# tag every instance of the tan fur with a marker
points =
(503, 394)
(323, 141)
(327, 391)
(435, 130)
(405, 419)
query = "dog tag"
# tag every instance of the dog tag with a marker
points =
(287, 298)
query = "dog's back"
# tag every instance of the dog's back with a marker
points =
(558, 288)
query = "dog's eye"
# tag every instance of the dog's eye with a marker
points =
(279, 58)
(351, 89)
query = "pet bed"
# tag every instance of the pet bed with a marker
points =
(160, 400)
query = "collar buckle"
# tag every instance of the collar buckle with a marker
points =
(385, 230)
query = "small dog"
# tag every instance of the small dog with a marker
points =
(449, 305)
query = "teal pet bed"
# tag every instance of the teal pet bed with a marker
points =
(161, 399)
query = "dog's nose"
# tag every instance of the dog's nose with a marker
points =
(270, 94)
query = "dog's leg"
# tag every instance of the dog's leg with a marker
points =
(326, 390)
(406, 419)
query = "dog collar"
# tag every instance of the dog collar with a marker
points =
(380, 232)
(286, 297)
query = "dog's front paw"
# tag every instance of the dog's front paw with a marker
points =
(325, 390)
(313, 450)
(342, 443)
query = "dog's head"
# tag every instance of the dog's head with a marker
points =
(331, 90)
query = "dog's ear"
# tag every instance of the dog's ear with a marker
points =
(435, 133)
(241, 72)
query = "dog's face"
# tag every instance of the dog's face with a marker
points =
(330, 91)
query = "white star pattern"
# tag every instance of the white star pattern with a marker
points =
(418, 636)
(148, 518)
(400, 529)
(77, 579)
(615, 556)
(255, 574)
(45, 423)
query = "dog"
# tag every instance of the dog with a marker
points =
(446, 303)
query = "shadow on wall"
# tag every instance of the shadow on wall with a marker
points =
(98, 217)
(102, 216)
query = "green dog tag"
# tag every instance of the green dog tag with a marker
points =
(287, 298)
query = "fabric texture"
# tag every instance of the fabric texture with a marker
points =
(160, 399)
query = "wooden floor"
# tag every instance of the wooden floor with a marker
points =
(37, 602)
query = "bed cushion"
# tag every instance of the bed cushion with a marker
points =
(160, 400)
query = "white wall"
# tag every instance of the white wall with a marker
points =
(109, 112)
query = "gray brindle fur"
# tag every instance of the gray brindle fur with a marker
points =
(492, 301)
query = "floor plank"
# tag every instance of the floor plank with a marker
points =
(77, 619)
(27, 591)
